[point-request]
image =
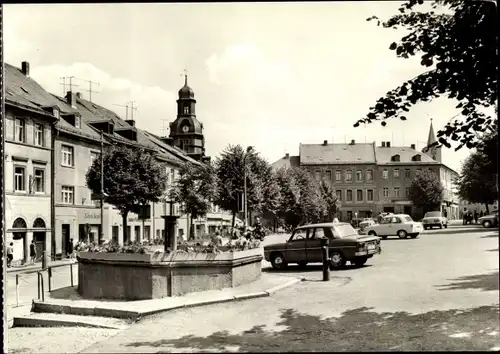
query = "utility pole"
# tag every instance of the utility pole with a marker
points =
(101, 236)
(126, 109)
(90, 88)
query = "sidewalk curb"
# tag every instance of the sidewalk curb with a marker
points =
(41, 307)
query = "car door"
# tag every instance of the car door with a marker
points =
(296, 246)
(396, 225)
(383, 227)
(313, 245)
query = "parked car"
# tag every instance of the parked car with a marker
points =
(304, 246)
(366, 222)
(401, 225)
(434, 218)
(489, 220)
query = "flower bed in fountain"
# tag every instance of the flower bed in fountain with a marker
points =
(137, 272)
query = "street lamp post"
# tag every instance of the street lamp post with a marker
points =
(245, 210)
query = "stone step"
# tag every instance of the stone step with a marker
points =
(82, 310)
(64, 320)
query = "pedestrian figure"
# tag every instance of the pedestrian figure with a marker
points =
(475, 216)
(464, 216)
(10, 254)
(70, 248)
(33, 252)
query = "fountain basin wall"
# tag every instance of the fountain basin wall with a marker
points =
(131, 276)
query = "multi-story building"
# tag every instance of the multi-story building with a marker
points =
(51, 143)
(371, 179)
(28, 162)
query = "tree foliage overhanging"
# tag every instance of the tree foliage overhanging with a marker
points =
(460, 50)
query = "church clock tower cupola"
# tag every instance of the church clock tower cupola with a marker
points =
(186, 131)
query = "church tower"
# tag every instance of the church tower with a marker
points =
(433, 152)
(186, 131)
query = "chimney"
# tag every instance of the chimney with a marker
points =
(71, 99)
(388, 144)
(131, 122)
(325, 142)
(287, 155)
(413, 146)
(25, 67)
(383, 144)
(353, 142)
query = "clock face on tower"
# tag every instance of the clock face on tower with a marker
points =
(185, 129)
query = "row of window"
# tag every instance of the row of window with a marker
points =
(68, 156)
(36, 182)
(348, 175)
(20, 133)
(369, 194)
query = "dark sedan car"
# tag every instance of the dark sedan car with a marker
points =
(304, 246)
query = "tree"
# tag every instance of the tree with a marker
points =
(463, 46)
(475, 184)
(329, 197)
(194, 190)
(230, 171)
(132, 178)
(488, 146)
(426, 191)
(301, 199)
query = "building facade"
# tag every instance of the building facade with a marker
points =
(371, 179)
(28, 164)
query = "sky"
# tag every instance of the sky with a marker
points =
(269, 75)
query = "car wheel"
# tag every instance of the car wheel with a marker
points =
(487, 224)
(425, 227)
(277, 261)
(337, 260)
(372, 233)
(402, 234)
(440, 226)
(445, 226)
(359, 261)
(302, 264)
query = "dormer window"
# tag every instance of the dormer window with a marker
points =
(74, 119)
(77, 122)
(395, 158)
(416, 158)
(56, 113)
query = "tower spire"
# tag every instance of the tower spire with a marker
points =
(432, 136)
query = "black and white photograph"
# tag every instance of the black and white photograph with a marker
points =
(250, 176)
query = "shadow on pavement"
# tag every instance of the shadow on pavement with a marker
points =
(311, 268)
(490, 236)
(485, 282)
(67, 293)
(355, 330)
(455, 231)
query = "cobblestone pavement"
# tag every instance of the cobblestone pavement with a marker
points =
(437, 292)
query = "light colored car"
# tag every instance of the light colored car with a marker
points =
(489, 220)
(366, 222)
(401, 225)
(305, 246)
(434, 218)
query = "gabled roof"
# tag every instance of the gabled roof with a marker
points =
(290, 161)
(26, 92)
(320, 154)
(384, 155)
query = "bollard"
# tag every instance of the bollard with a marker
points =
(38, 287)
(43, 289)
(326, 261)
(49, 271)
(71, 271)
(17, 290)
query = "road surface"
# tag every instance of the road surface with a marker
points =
(437, 292)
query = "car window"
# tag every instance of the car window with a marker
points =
(432, 214)
(344, 230)
(395, 220)
(385, 221)
(299, 235)
(319, 232)
(408, 219)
